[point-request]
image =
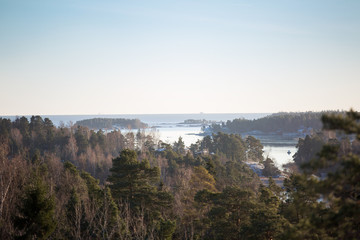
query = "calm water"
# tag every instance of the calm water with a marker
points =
(280, 154)
(169, 129)
(277, 147)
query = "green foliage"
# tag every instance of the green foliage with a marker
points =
(265, 223)
(265, 220)
(71, 168)
(275, 189)
(235, 174)
(43, 133)
(109, 206)
(254, 149)
(36, 214)
(206, 143)
(94, 190)
(302, 198)
(167, 229)
(327, 208)
(132, 180)
(202, 179)
(308, 148)
(134, 183)
(210, 166)
(5, 128)
(231, 145)
(179, 146)
(341, 188)
(229, 211)
(81, 136)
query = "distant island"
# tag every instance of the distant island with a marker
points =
(110, 123)
(198, 121)
(278, 123)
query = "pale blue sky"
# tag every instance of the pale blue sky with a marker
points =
(143, 56)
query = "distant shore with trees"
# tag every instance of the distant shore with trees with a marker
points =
(111, 123)
(296, 123)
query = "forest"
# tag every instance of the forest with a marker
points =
(71, 182)
(276, 123)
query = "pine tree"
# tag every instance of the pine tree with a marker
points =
(269, 168)
(265, 220)
(134, 182)
(167, 229)
(327, 208)
(341, 188)
(36, 218)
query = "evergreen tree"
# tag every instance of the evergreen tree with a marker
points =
(179, 146)
(167, 229)
(254, 149)
(327, 207)
(265, 221)
(36, 214)
(111, 226)
(229, 212)
(307, 149)
(341, 187)
(270, 169)
(133, 182)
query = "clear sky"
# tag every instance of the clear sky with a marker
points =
(185, 56)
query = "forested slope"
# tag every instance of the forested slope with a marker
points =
(75, 183)
(274, 123)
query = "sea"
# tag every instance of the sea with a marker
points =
(169, 127)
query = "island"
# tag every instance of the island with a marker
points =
(111, 123)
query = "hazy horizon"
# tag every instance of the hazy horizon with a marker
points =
(160, 57)
(194, 113)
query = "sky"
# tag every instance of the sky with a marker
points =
(178, 56)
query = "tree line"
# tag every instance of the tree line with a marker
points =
(274, 123)
(153, 190)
